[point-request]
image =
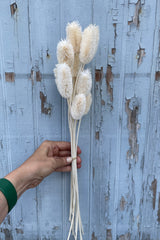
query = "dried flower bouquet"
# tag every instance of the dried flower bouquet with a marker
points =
(74, 83)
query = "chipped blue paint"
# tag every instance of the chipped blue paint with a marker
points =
(120, 178)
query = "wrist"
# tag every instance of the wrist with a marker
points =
(20, 180)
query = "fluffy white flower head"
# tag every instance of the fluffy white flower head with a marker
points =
(89, 43)
(65, 52)
(84, 83)
(63, 78)
(78, 106)
(88, 103)
(74, 35)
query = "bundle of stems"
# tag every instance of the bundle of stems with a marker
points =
(74, 83)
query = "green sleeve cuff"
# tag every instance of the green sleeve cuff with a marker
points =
(9, 191)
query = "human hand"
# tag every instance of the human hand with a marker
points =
(49, 157)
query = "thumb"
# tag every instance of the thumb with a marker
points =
(60, 161)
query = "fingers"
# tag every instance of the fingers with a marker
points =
(66, 153)
(69, 167)
(57, 162)
(64, 146)
(61, 162)
(64, 169)
(58, 146)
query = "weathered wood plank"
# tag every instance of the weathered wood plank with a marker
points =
(119, 180)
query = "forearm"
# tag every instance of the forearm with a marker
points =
(20, 182)
(3, 207)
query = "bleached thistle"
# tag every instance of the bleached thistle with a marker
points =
(74, 83)
(63, 78)
(74, 35)
(88, 103)
(84, 83)
(89, 43)
(65, 52)
(78, 106)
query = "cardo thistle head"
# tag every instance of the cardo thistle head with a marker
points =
(88, 103)
(74, 35)
(65, 52)
(63, 78)
(78, 106)
(84, 83)
(89, 43)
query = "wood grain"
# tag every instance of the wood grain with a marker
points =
(119, 180)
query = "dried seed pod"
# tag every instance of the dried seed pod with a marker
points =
(78, 106)
(63, 78)
(89, 43)
(65, 52)
(84, 83)
(74, 35)
(88, 103)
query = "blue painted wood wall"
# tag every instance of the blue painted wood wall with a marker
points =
(120, 139)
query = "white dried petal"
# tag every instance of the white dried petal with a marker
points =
(78, 106)
(84, 83)
(89, 43)
(65, 52)
(74, 35)
(88, 103)
(63, 79)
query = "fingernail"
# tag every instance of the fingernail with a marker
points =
(69, 159)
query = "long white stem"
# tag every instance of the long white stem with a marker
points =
(79, 124)
(74, 216)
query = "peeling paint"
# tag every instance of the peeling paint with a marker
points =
(7, 233)
(32, 76)
(140, 55)
(154, 190)
(146, 236)
(126, 236)
(93, 172)
(45, 107)
(138, 11)
(103, 102)
(47, 54)
(35, 74)
(115, 30)
(98, 74)
(38, 76)
(1, 144)
(132, 110)
(19, 231)
(9, 76)
(158, 212)
(13, 8)
(97, 135)
(109, 81)
(157, 76)
(8, 219)
(136, 17)
(94, 237)
(113, 51)
(109, 234)
(122, 203)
